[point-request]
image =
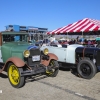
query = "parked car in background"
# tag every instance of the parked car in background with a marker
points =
(98, 42)
(39, 43)
(21, 59)
(42, 42)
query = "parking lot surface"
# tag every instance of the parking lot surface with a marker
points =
(66, 86)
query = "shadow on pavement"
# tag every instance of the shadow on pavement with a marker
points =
(35, 78)
(64, 69)
(73, 71)
(3, 75)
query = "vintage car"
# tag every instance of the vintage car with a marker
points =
(85, 60)
(98, 42)
(21, 59)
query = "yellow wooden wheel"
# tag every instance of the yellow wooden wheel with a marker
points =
(53, 69)
(14, 76)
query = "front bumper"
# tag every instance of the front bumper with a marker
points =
(36, 71)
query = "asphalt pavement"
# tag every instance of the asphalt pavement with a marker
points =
(66, 86)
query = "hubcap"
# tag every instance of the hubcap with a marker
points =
(86, 70)
(13, 74)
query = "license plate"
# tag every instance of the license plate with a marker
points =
(36, 58)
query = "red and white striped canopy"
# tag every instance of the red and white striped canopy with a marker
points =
(84, 25)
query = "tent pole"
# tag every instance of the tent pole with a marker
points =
(82, 33)
(67, 35)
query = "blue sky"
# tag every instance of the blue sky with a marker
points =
(49, 14)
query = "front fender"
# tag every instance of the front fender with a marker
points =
(17, 61)
(51, 56)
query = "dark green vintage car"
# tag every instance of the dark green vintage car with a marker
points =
(21, 59)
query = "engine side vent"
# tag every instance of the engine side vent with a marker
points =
(98, 58)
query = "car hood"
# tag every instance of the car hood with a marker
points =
(19, 47)
(14, 50)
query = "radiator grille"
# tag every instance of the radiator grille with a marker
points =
(33, 52)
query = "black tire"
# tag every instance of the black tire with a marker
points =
(52, 72)
(86, 69)
(14, 76)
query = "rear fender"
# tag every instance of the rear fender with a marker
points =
(51, 56)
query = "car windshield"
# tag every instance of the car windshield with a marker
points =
(15, 38)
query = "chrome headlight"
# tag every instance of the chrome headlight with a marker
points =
(26, 53)
(46, 51)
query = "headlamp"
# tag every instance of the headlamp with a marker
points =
(46, 51)
(26, 53)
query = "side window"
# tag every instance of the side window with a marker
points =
(14, 38)
(23, 38)
(8, 38)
